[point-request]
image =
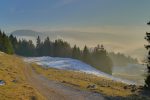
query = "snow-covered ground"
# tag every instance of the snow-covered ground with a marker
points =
(72, 64)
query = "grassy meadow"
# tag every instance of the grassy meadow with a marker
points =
(17, 87)
(83, 80)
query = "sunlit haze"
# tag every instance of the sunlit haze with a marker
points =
(118, 24)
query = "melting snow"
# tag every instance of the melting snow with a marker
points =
(72, 64)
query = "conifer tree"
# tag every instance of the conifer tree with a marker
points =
(47, 47)
(8, 48)
(86, 55)
(14, 42)
(101, 60)
(5, 44)
(147, 80)
(38, 47)
(58, 48)
(76, 53)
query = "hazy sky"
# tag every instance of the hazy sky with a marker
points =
(73, 14)
(120, 17)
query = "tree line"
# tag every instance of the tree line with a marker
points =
(121, 60)
(98, 57)
(5, 44)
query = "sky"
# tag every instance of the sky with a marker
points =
(119, 17)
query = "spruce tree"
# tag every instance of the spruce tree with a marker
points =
(101, 60)
(147, 80)
(5, 44)
(8, 48)
(38, 47)
(47, 47)
(86, 56)
(1, 41)
(76, 53)
(14, 42)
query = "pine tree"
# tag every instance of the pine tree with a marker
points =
(14, 42)
(59, 48)
(1, 41)
(30, 48)
(8, 46)
(147, 80)
(101, 60)
(47, 47)
(38, 47)
(5, 44)
(86, 56)
(76, 53)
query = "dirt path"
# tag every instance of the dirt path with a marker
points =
(52, 90)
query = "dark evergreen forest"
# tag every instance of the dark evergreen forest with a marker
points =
(98, 57)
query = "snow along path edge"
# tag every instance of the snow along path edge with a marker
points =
(74, 65)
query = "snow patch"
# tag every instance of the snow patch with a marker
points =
(2, 53)
(72, 64)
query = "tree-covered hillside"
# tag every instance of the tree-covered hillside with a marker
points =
(98, 57)
(5, 44)
(60, 48)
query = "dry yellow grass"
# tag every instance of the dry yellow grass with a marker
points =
(16, 88)
(82, 80)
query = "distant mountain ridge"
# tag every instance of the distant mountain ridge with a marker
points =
(25, 33)
(66, 34)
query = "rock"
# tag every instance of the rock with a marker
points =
(125, 87)
(108, 86)
(92, 86)
(64, 82)
(133, 90)
(33, 98)
(2, 82)
(141, 87)
(15, 81)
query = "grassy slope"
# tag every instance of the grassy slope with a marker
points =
(111, 89)
(82, 80)
(11, 68)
